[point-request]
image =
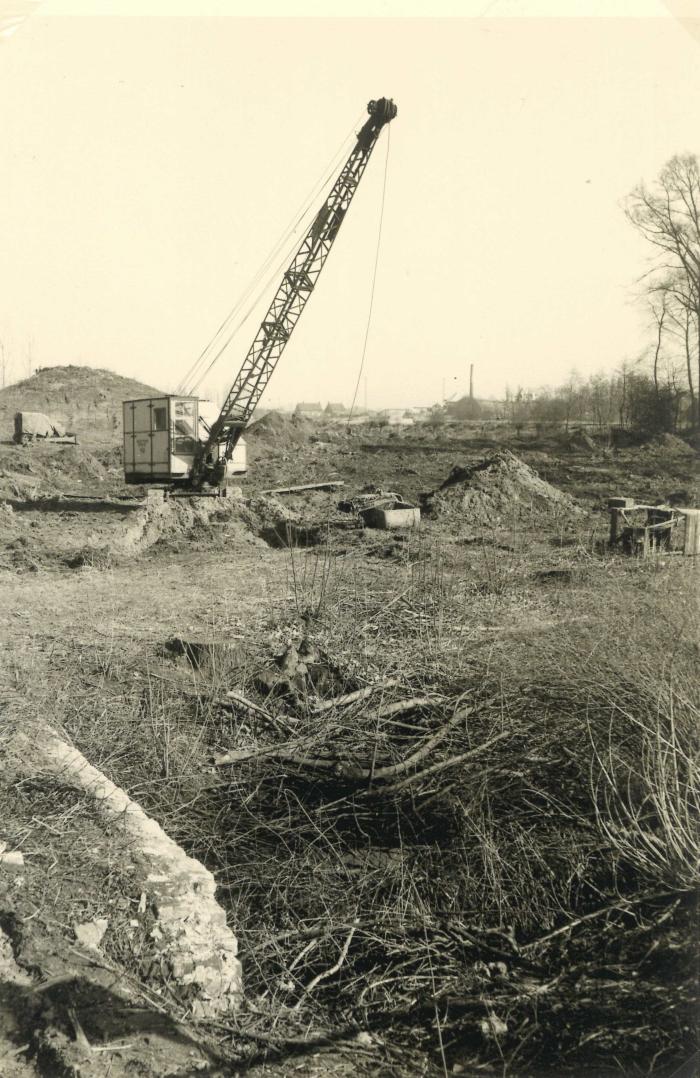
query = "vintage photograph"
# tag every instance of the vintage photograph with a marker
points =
(349, 664)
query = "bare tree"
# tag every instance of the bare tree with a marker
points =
(658, 305)
(668, 217)
(682, 323)
(622, 400)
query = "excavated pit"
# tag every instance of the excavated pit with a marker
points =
(257, 520)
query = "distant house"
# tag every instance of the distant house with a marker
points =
(332, 409)
(311, 410)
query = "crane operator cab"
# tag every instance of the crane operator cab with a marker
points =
(162, 436)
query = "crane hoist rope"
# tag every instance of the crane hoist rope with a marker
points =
(257, 286)
(374, 277)
(288, 304)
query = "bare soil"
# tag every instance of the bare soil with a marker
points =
(96, 586)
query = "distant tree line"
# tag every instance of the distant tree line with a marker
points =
(629, 398)
(660, 390)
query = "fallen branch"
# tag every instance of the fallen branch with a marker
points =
(274, 752)
(236, 698)
(314, 933)
(333, 970)
(622, 905)
(347, 771)
(424, 750)
(359, 694)
(442, 765)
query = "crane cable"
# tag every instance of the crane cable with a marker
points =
(251, 288)
(275, 273)
(285, 240)
(374, 277)
(292, 241)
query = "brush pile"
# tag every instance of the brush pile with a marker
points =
(498, 490)
(469, 864)
(488, 853)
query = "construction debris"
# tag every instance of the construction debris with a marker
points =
(91, 933)
(398, 515)
(369, 499)
(377, 508)
(14, 861)
(645, 529)
(30, 426)
(581, 440)
(191, 938)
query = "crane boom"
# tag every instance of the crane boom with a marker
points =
(288, 303)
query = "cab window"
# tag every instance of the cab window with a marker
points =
(183, 422)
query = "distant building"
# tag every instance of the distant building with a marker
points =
(396, 417)
(472, 408)
(311, 410)
(332, 409)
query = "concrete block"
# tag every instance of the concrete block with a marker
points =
(401, 516)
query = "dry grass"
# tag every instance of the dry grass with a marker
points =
(501, 876)
(518, 849)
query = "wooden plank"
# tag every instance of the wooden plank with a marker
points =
(329, 484)
(691, 542)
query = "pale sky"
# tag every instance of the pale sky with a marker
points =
(150, 163)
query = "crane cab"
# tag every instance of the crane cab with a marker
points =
(161, 436)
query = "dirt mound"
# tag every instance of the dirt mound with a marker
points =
(167, 521)
(44, 471)
(187, 524)
(671, 443)
(284, 431)
(86, 400)
(74, 462)
(496, 490)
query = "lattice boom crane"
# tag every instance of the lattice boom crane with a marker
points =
(289, 301)
(161, 435)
